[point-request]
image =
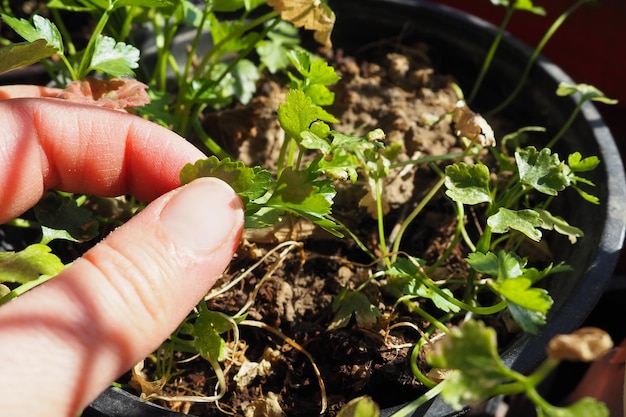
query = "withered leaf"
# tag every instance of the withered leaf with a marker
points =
(311, 14)
(115, 93)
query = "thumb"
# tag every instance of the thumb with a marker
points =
(68, 339)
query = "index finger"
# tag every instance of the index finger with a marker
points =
(27, 90)
(85, 149)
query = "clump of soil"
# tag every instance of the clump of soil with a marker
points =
(293, 287)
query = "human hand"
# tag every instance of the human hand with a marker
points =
(62, 343)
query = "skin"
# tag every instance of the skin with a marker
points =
(63, 343)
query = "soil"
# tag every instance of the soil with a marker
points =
(301, 269)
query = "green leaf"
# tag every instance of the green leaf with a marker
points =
(41, 28)
(528, 320)
(526, 221)
(206, 331)
(62, 218)
(526, 5)
(502, 266)
(587, 407)
(298, 112)
(273, 51)
(114, 58)
(245, 75)
(468, 184)
(249, 183)
(521, 292)
(578, 164)
(143, 3)
(472, 350)
(22, 54)
(360, 407)
(416, 288)
(296, 193)
(29, 264)
(586, 91)
(348, 303)
(541, 170)
(559, 224)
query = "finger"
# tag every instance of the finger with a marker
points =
(65, 341)
(85, 149)
(26, 90)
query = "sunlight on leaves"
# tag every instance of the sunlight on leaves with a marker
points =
(541, 170)
(115, 58)
(29, 264)
(472, 350)
(23, 54)
(526, 221)
(468, 184)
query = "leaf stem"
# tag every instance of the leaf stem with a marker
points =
(492, 51)
(536, 52)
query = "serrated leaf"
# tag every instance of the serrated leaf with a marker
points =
(206, 332)
(245, 75)
(61, 217)
(296, 193)
(29, 264)
(114, 58)
(41, 28)
(298, 112)
(418, 289)
(248, 183)
(587, 407)
(23, 54)
(526, 221)
(502, 266)
(521, 292)
(471, 349)
(541, 170)
(559, 224)
(353, 303)
(468, 184)
(586, 91)
(528, 320)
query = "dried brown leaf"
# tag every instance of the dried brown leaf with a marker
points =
(585, 344)
(472, 126)
(311, 14)
(116, 93)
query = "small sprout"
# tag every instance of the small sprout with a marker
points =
(360, 407)
(587, 92)
(585, 344)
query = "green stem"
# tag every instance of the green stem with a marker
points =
(85, 63)
(233, 35)
(460, 227)
(409, 409)
(382, 240)
(546, 37)
(567, 124)
(208, 142)
(417, 210)
(492, 51)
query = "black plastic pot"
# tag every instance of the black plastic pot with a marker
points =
(458, 44)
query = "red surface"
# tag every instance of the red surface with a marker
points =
(590, 47)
